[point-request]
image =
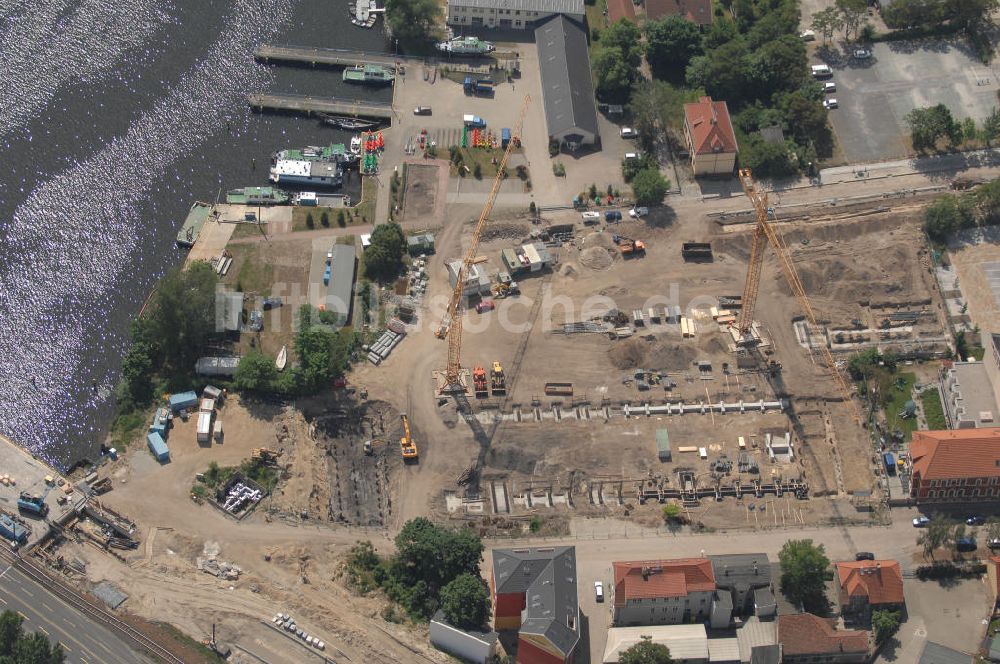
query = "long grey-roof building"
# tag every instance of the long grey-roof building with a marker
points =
(567, 88)
(535, 591)
(340, 292)
(514, 14)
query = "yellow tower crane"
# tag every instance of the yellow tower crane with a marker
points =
(764, 233)
(451, 326)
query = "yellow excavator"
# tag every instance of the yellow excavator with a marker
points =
(406, 445)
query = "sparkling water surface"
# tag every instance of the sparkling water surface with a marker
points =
(115, 115)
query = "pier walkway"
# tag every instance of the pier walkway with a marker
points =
(309, 105)
(331, 57)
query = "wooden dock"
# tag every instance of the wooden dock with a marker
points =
(310, 105)
(330, 57)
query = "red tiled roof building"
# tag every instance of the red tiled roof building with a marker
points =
(710, 138)
(955, 466)
(808, 638)
(663, 592)
(869, 584)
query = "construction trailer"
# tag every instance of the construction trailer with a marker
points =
(663, 445)
(158, 447)
(183, 401)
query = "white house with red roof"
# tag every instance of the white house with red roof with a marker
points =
(663, 592)
(710, 138)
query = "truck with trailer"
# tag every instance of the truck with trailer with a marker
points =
(473, 121)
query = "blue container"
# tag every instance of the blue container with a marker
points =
(160, 429)
(890, 463)
(158, 447)
(183, 400)
(504, 137)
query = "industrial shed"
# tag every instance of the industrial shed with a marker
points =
(567, 87)
(340, 292)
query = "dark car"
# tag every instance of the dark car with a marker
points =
(975, 521)
(864, 555)
(965, 545)
(612, 215)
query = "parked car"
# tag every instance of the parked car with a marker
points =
(965, 545)
(829, 87)
(994, 543)
(612, 215)
(590, 214)
(862, 53)
(599, 591)
(864, 555)
(631, 156)
(485, 305)
(628, 132)
(637, 212)
(829, 103)
(808, 35)
(422, 110)
(975, 520)
(920, 521)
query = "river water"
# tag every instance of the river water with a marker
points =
(114, 116)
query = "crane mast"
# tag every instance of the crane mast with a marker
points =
(764, 233)
(452, 325)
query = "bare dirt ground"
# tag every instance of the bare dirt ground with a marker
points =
(421, 191)
(291, 561)
(969, 254)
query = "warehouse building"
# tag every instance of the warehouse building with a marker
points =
(567, 87)
(515, 14)
(340, 292)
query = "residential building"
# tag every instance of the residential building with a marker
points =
(708, 131)
(534, 591)
(688, 644)
(516, 14)
(663, 592)
(340, 291)
(696, 11)
(956, 466)
(806, 638)
(968, 396)
(621, 9)
(466, 645)
(758, 641)
(567, 86)
(866, 585)
(746, 578)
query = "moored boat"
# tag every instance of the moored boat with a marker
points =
(369, 75)
(282, 358)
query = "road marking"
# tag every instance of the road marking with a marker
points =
(47, 607)
(2, 600)
(9, 567)
(42, 629)
(71, 623)
(28, 592)
(22, 615)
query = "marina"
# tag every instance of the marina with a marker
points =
(310, 105)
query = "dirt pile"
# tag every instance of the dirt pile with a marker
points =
(597, 258)
(629, 354)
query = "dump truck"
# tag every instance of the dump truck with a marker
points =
(473, 121)
(407, 447)
(696, 251)
(630, 248)
(479, 382)
(32, 503)
(498, 380)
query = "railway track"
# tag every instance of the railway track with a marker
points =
(72, 597)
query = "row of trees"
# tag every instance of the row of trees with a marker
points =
(931, 125)
(953, 212)
(433, 568)
(969, 15)
(175, 332)
(846, 15)
(945, 533)
(20, 647)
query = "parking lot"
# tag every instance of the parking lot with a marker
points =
(875, 95)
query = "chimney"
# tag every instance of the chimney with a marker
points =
(755, 568)
(715, 117)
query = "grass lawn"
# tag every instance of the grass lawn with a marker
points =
(933, 410)
(596, 20)
(901, 393)
(256, 274)
(300, 217)
(484, 158)
(249, 230)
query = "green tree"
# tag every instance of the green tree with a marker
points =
(310, 222)
(805, 116)
(324, 219)
(137, 371)
(658, 105)
(778, 65)
(935, 535)
(722, 72)
(384, 256)
(20, 647)
(625, 37)
(852, 12)
(255, 372)
(436, 555)
(803, 573)
(182, 317)
(613, 75)
(928, 125)
(945, 216)
(671, 42)
(465, 601)
(827, 22)
(885, 624)
(649, 187)
(341, 219)
(412, 21)
(646, 652)
(767, 160)
(991, 127)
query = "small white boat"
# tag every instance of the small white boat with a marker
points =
(356, 145)
(282, 358)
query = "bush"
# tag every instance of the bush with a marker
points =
(553, 148)
(384, 256)
(559, 170)
(324, 219)
(341, 218)
(649, 187)
(477, 171)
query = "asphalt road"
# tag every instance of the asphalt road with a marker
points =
(83, 639)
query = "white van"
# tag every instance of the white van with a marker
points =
(821, 71)
(631, 156)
